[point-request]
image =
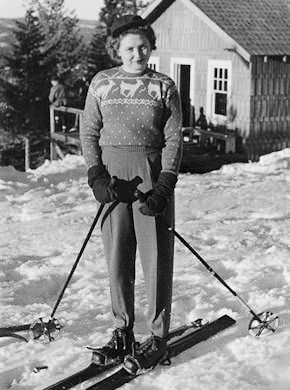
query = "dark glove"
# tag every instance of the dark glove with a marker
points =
(153, 204)
(155, 200)
(99, 180)
(125, 190)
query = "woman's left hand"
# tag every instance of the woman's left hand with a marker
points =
(155, 200)
(153, 204)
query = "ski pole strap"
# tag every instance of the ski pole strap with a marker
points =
(78, 259)
(108, 211)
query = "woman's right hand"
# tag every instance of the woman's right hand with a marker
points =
(106, 189)
(99, 180)
(102, 190)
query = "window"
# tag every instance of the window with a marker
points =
(220, 88)
(219, 84)
(153, 63)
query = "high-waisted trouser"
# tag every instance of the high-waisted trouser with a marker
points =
(125, 229)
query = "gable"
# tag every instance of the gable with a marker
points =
(258, 27)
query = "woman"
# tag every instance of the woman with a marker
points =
(132, 127)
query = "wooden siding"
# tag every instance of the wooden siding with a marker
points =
(270, 105)
(180, 33)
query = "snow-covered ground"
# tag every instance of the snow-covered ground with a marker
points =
(237, 218)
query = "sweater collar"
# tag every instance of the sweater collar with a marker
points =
(137, 74)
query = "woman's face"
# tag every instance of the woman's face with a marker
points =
(134, 51)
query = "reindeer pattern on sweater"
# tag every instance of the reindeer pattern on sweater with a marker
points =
(133, 110)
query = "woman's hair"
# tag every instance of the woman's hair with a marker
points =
(113, 44)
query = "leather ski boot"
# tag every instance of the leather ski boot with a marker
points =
(146, 356)
(120, 345)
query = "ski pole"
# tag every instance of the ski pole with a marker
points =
(211, 271)
(49, 329)
(137, 180)
(77, 260)
(267, 317)
(260, 321)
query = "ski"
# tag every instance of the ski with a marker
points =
(81, 376)
(15, 328)
(12, 331)
(94, 370)
(13, 335)
(175, 347)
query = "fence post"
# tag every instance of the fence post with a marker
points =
(52, 130)
(27, 153)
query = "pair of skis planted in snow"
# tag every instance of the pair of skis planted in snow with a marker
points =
(179, 340)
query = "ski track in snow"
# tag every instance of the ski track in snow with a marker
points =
(237, 218)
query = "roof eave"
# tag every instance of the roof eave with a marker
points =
(151, 7)
(218, 30)
(151, 15)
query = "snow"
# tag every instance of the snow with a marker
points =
(237, 218)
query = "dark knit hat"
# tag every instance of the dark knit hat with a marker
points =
(126, 22)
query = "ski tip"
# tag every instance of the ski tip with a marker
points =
(227, 318)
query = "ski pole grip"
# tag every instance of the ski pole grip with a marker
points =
(139, 194)
(136, 181)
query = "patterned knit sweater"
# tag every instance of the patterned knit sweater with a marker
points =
(133, 111)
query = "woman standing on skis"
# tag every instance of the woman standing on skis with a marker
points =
(132, 127)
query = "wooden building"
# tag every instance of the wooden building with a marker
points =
(233, 59)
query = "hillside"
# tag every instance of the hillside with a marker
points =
(7, 26)
(6, 36)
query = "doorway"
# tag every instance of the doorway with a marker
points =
(182, 72)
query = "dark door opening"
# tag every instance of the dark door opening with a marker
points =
(184, 89)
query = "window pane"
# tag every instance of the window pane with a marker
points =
(221, 73)
(215, 72)
(215, 85)
(226, 73)
(225, 86)
(220, 85)
(220, 104)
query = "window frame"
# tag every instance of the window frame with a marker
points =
(155, 61)
(212, 91)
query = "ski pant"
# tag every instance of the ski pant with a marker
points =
(125, 229)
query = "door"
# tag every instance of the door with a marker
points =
(182, 72)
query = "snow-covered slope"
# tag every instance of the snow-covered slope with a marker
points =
(237, 218)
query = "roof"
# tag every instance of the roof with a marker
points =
(261, 27)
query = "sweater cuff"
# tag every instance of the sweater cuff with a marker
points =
(165, 184)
